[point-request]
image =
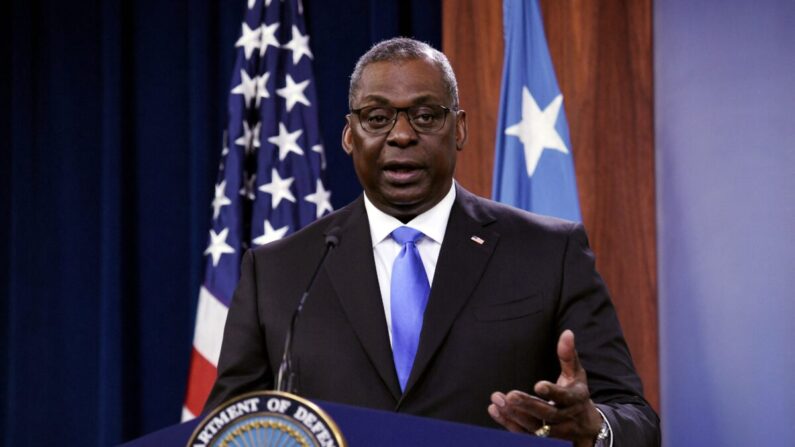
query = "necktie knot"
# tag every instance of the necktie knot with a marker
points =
(404, 235)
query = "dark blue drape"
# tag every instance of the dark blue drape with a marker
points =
(113, 114)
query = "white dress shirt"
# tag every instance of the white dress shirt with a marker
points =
(432, 223)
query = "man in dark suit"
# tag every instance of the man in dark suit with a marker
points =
(482, 298)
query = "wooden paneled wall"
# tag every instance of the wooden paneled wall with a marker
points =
(602, 52)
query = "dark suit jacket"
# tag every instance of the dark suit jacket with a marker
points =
(492, 321)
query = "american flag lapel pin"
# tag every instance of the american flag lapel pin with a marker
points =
(477, 240)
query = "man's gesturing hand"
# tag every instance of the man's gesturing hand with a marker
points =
(565, 406)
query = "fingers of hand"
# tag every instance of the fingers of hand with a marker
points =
(525, 413)
(512, 412)
(498, 399)
(496, 413)
(567, 354)
(504, 413)
(564, 408)
(532, 407)
(571, 394)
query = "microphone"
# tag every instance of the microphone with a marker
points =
(286, 375)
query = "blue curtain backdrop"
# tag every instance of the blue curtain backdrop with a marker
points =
(112, 114)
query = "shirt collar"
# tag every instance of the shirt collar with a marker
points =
(432, 223)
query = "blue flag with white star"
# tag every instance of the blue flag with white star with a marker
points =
(533, 166)
(271, 177)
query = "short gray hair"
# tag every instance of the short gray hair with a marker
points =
(404, 49)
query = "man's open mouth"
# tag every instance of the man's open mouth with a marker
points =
(402, 172)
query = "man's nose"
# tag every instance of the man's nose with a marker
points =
(402, 134)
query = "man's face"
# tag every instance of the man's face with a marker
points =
(404, 173)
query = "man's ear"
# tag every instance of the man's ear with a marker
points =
(460, 129)
(347, 136)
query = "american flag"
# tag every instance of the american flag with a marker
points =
(270, 180)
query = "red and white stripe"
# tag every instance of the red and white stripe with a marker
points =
(207, 338)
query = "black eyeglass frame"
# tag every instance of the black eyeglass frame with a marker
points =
(405, 110)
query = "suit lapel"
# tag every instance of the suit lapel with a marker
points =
(465, 252)
(355, 281)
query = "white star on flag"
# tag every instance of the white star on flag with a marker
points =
(287, 141)
(220, 199)
(268, 37)
(299, 45)
(247, 87)
(293, 93)
(262, 89)
(537, 130)
(250, 137)
(321, 198)
(278, 188)
(218, 245)
(270, 234)
(249, 40)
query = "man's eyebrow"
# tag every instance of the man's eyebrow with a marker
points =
(380, 100)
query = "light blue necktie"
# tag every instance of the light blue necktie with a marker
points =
(409, 291)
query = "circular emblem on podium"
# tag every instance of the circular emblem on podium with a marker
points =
(267, 419)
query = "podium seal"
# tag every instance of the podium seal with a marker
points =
(267, 419)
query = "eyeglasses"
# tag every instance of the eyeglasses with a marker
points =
(382, 119)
